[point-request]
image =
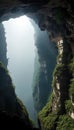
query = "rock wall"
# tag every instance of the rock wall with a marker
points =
(44, 66)
(3, 46)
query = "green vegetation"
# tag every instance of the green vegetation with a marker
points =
(69, 107)
(47, 118)
(58, 71)
(65, 123)
(53, 82)
(71, 67)
(59, 56)
(49, 121)
(71, 90)
(45, 111)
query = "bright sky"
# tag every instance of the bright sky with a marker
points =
(19, 31)
(21, 54)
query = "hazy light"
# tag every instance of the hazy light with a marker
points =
(21, 54)
(17, 30)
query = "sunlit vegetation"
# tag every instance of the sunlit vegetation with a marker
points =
(58, 70)
(71, 90)
(49, 122)
(47, 118)
(69, 107)
(53, 82)
(59, 56)
(65, 123)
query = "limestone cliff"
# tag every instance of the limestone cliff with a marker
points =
(59, 111)
(44, 66)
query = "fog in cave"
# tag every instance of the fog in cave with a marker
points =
(21, 54)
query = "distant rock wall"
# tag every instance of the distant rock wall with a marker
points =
(44, 66)
(3, 46)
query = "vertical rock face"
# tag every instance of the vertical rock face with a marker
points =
(44, 66)
(59, 111)
(7, 96)
(3, 46)
(62, 75)
(60, 108)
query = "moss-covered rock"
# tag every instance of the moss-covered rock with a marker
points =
(65, 122)
(69, 107)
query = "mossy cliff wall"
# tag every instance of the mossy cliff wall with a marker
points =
(59, 111)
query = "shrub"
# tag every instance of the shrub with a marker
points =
(65, 123)
(69, 107)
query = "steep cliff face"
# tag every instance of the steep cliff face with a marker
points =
(59, 110)
(57, 17)
(9, 103)
(3, 46)
(44, 66)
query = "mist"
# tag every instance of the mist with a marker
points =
(21, 54)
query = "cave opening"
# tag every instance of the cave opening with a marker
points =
(21, 49)
(32, 79)
(56, 21)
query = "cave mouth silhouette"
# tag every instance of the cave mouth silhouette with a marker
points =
(16, 14)
(44, 35)
(21, 49)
